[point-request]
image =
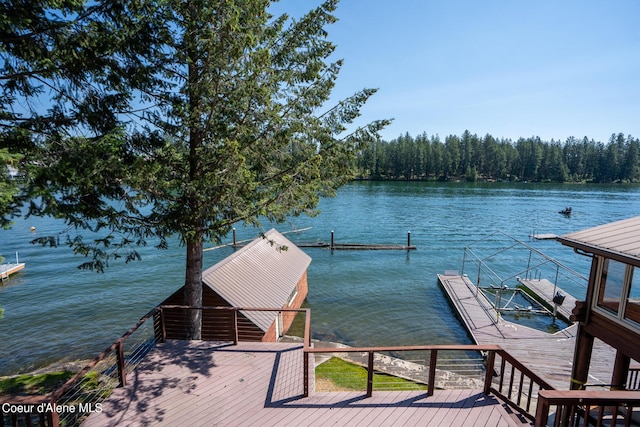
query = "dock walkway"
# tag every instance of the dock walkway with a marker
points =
(548, 355)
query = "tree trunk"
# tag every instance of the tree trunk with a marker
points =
(193, 289)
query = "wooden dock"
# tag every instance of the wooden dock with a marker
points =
(548, 355)
(6, 270)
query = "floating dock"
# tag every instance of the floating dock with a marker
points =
(354, 246)
(7, 270)
(548, 355)
(332, 245)
(346, 246)
(358, 246)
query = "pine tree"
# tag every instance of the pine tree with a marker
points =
(215, 114)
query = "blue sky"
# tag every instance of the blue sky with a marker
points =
(547, 68)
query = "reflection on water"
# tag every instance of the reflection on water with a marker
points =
(356, 297)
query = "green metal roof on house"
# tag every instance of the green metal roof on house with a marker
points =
(260, 275)
(617, 240)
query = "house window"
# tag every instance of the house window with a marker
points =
(611, 285)
(293, 296)
(632, 307)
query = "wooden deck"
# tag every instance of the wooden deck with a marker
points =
(548, 355)
(202, 383)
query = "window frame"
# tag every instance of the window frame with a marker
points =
(624, 294)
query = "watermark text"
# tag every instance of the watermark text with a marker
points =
(42, 408)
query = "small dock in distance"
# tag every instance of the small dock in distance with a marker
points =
(6, 270)
(548, 355)
(542, 236)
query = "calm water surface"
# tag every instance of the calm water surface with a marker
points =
(54, 311)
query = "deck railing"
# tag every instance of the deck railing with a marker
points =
(514, 383)
(633, 379)
(222, 323)
(83, 393)
(582, 408)
(504, 376)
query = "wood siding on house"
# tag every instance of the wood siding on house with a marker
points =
(217, 325)
(622, 339)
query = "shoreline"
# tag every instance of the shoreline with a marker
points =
(60, 366)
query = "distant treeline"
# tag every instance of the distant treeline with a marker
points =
(470, 157)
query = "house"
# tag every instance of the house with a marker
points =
(269, 272)
(611, 311)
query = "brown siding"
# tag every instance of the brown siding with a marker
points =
(614, 334)
(217, 325)
(270, 335)
(247, 331)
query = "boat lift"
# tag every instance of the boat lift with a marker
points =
(535, 263)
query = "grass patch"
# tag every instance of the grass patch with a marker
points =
(347, 375)
(34, 384)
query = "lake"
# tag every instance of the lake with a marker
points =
(54, 311)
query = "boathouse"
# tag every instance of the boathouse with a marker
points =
(269, 272)
(611, 311)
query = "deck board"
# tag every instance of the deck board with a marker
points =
(548, 355)
(203, 383)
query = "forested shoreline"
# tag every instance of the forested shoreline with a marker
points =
(473, 158)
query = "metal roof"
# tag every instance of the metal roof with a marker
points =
(260, 275)
(618, 240)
